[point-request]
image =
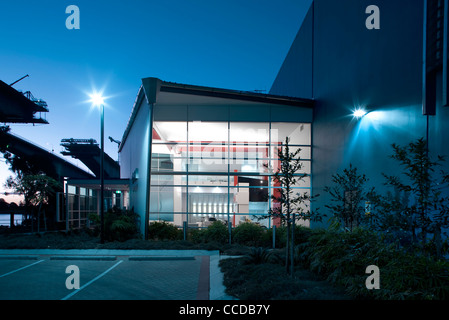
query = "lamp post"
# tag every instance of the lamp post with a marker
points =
(98, 100)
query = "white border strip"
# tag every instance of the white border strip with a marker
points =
(91, 281)
(14, 271)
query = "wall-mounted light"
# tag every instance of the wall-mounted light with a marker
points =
(359, 113)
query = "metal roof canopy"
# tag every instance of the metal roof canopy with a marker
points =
(168, 93)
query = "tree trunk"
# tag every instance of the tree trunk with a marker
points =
(45, 222)
(289, 223)
(287, 251)
(292, 246)
(39, 218)
(438, 243)
(32, 220)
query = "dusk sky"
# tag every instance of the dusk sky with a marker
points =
(232, 44)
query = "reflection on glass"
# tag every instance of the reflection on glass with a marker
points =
(299, 133)
(169, 131)
(201, 132)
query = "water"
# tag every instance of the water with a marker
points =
(5, 219)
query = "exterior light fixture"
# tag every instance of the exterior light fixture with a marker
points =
(96, 99)
(359, 113)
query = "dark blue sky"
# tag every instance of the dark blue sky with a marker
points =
(234, 44)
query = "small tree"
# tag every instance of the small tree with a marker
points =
(36, 190)
(349, 198)
(426, 207)
(291, 204)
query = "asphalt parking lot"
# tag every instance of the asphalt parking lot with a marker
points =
(110, 275)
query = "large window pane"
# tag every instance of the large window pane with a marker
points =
(219, 170)
(203, 133)
(299, 133)
(304, 152)
(249, 133)
(168, 179)
(166, 200)
(167, 131)
(208, 180)
(208, 165)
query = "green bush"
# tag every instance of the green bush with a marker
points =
(268, 281)
(342, 257)
(197, 235)
(301, 234)
(162, 230)
(216, 232)
(258, 255)
(119, 225)
(248, 234)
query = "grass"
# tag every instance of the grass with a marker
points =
(268, 281)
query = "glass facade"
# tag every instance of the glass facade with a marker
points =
(81, 202)
(220, 170)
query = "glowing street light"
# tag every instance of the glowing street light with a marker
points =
(98, 100)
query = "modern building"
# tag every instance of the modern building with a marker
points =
(396, 71)
(194, 153)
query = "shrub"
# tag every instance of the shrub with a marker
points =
(302, 234)
(162, 230)
(268, 281)
(124, 228)
(216, 232)
(258, 255)
(197, 235)
(342, 258)
(249, 234)
(119, 225)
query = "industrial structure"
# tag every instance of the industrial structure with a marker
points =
(88, 152)
(18, 107)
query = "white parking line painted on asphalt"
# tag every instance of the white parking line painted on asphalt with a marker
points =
(91, 281)
(27, 266)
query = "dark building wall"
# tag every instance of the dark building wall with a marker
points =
(380, 70)
(297, 67)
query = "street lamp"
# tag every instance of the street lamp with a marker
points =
(98, 100)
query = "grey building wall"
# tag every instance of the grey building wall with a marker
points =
(134, 161)
(297, 67)
(352, 67)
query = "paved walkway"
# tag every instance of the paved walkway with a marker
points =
(111, 274)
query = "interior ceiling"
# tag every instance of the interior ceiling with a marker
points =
(217, 131)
